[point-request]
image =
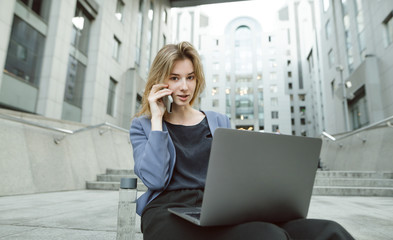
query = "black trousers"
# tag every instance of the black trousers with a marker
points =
(159, 224)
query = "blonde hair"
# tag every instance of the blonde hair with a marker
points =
(163, 65)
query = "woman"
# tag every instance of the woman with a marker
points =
(171, 152)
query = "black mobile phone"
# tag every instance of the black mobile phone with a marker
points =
(168, 100)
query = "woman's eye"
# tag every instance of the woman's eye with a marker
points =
(191, 77)
(174, 78)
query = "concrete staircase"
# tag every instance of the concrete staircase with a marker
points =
(111, 180)
(327, 183)
(353, 183)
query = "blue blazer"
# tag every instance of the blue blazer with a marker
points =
(155, 155)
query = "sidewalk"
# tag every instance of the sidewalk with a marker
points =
(89, 214)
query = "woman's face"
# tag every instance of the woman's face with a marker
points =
(182, 82)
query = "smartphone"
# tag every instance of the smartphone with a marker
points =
(168, 100)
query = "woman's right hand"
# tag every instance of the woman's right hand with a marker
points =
(157, 107)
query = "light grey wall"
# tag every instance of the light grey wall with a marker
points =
(31, 162)
(6, 12)
(370, 150)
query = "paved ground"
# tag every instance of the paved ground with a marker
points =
(90, 214)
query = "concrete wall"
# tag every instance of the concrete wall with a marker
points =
(353, 153)
(31, 162)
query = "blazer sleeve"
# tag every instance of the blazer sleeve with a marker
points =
(151, 154)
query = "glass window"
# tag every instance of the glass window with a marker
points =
(216, 66)
(214, 91)
(274, 114)
(328, 29)
(139, 32)
(243, 80)
(80, 30)
(360, 28)
(116, 48)
(326, 4)
(110, 108)
(331, 58)
(25, 50)
(244, 106)
(388, 29)
(358, 109)
(275, 128)
(119, 10)
(75, 82)
(347, 34)
(332, 87)
(310, 60)
(243, 50)
(273, 63)
(185, 26)
(228, 105)
(215, 103)
(150, 16)
(260, 103)
(163, 40)
(274, 101)
(165, 16)
(273, 76)
(215, 78)
(302, 97)
(273, 88)
(40, 7)
(302, 110)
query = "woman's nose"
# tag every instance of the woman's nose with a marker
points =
(184, 85)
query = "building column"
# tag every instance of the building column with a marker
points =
(6, 17)
(55, 59)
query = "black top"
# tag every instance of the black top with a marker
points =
(192, 144)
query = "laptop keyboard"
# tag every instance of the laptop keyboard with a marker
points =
(194, 215)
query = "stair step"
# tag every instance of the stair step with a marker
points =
(355, 174)
(102, 185)
(111, 171)
(355, 182)
(111, 186)
(114, 177)
(353, 191)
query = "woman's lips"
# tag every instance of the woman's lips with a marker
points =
(183, 97)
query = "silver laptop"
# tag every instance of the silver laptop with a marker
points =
(254, 176)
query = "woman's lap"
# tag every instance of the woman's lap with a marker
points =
(158, 223)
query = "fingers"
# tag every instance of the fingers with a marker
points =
(158, 91)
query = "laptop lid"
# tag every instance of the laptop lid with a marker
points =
(254, 176)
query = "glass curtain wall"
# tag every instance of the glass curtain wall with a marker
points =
(347, 34)
(75, 81)
(244, 95)
(24, 58)
(23, 62)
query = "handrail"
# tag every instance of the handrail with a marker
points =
(61, 130)
(386, 120)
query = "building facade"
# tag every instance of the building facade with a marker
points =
(248, 72)
(79, 60)
(350, 47)
(252, 75)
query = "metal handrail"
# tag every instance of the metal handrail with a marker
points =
(61, 130)
(386, 120)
